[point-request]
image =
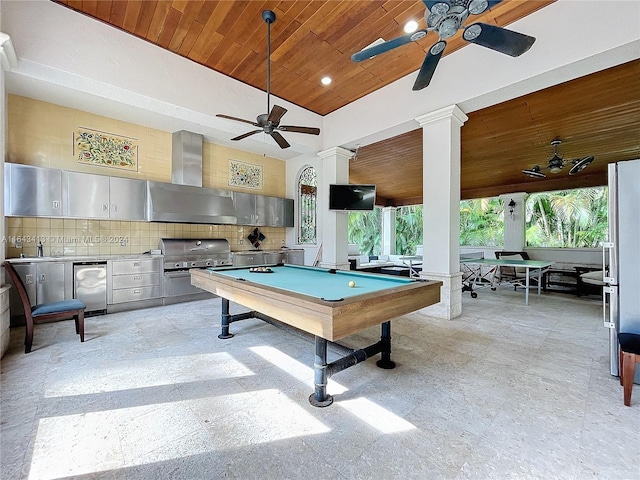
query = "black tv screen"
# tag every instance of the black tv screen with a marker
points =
(352, 197)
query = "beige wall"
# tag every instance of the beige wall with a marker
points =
(41, 134)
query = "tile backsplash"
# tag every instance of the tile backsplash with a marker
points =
(70, 237)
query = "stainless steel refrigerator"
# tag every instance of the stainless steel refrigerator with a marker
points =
(622, 255)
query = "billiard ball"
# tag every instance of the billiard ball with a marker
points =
(352, 284)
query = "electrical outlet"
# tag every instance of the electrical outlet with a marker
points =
(241, 241)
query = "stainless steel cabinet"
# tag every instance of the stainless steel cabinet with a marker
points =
(27, 272)
(133, 280)
(127, 199)
(283, 212)
(245, 204)
(44, 282)
(32, 191)
(265, 211)
(99, 196)
(86, 195)
(50, 282)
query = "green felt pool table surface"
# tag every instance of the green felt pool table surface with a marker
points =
(317, 282)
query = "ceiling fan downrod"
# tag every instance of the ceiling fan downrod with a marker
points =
(269, 17)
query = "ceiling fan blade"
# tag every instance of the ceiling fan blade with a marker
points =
(276, 114)
(291, 128)
(498, 39)
(386, 46)
(238, 119)
(245, 135)
(429, 65)
(580, 164)
(280, 140)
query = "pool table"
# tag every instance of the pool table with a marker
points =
(320, 302)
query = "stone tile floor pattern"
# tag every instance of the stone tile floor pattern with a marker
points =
(502, 392)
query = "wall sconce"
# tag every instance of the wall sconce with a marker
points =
(511, 206)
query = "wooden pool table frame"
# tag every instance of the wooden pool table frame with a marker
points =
(326, 320)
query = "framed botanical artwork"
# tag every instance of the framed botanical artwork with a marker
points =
(103, 149)
(245, 174)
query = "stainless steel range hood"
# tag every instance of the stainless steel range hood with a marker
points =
(186, 158)
(167, 202)
(185, 200)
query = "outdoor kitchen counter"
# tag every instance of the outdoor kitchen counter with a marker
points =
(82, 258)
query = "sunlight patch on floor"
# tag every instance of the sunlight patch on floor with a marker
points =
(109, 440)
(298, 370)
(378, 417)
(146, 372)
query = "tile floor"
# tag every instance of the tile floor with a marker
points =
(503, 392)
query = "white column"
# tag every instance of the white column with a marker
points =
(388, 231)
(441, 206)
(514, 222)
(335, 169)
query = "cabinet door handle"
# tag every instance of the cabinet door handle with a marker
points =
(56, 204)
(43, 278)
(136, 264)
(105, 207)
(137, 290)
(137, 277)
(114, 208)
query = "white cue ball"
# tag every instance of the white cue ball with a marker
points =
(352, 284)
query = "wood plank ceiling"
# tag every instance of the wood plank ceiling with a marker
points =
(596, 115)
(309, 39)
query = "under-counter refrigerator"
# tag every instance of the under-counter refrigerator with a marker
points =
(90, 285)
(622, 255)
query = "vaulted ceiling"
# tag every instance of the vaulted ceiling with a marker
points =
(595, 115)
(309, 39)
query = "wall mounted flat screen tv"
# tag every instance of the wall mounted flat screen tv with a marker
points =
(348, 198)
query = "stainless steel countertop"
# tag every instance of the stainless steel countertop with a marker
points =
(83, 258)
(251, 252)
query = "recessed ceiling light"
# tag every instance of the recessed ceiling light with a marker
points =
(411, 26)
(325, 80)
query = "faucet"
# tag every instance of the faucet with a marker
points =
(40, 253)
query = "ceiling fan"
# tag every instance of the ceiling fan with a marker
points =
(270, 122)
(445, 17)
(557, 163)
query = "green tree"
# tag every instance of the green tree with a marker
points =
(408, 229)
(567, 218)
(365, 229)
(482, 222)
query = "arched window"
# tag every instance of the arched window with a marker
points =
(307, 201)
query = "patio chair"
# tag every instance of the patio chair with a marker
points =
(514, 275)
(45, 311)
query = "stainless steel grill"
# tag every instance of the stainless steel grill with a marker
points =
(181, 254)
(185, 253)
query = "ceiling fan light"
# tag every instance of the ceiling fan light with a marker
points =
(449, 27)
(555, 164)
(411, 26)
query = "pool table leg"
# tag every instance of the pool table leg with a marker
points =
(385, 343)
(320, 398)
(226, 320)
